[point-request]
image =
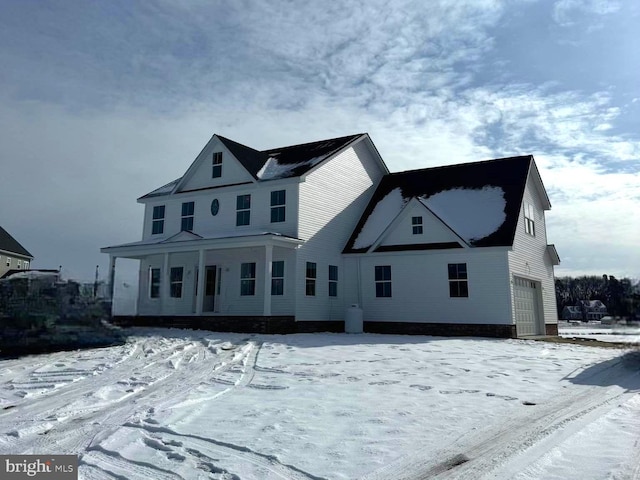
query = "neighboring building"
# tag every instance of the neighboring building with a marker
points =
(13, 256)
(287, 239)
(593, 310)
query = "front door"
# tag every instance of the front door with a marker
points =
(209, 289)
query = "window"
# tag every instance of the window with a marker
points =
(333, 281)
(187, 216)
(176, 281)
(8, 261)
(243, 210)
(19, 264)
(529, 219)
(248, 279)
(278, 200)
(458, 283)
(383, 280)
(25, 265)
(157, 225)
(277, 278)
(311, 279)
(416, 225)
(154, 282)
(216, 168)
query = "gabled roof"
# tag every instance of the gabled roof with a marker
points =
(276, 163)
(10, 244)
(450, 192)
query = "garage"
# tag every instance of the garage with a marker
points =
(526, 295)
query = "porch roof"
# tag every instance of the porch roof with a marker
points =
(190, 241)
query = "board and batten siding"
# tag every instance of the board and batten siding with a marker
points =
(224, 222)
(332, 199)
(529, 259)
(420, 287)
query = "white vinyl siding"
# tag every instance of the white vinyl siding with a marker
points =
(332, 198)
(529, 258)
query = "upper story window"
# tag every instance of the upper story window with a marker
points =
(333, 280)
(8, 261)
(216, 165)
(310, 286)
(529, 219)
(278, 201)
(416, 225)
(25, 265)
(458, 283)
(157, 224)
(277, 278)
(187, 216)
(19, 264)
(383, 280)
(243, 210)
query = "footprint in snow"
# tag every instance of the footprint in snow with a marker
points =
(176, 457)
(457, 392)
(503, 397)
(385, 382)
(424, 388)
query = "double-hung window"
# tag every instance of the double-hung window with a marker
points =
(216, 165)
(154, 282)
(187, 216)
(176, 276)
(310, 275)
(416, 225)
(248, 279)
(157, 224)
(8, 261)
(277, 277)
(529, 219)
(19, 264)
(243, 210)
(278, 201)
(333, 280)
(383, 280)
(26, 265)
(458, 282)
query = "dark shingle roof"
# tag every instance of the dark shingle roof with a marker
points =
(252, 160)
(509, 174)
(10, 244)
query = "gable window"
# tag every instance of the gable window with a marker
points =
(154, 282)
(175, 277)
(243, 210)
(333, 280)
(157, 225)
(310, 275)
(529, 219)
(216, 165)
(277, 278)
(416, 225)
(248, 279)
(383, 280)
(187, 216)
(458, 283)
(278, 200)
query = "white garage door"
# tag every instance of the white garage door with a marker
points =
(525, 295)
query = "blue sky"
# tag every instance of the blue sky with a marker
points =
(102, 102)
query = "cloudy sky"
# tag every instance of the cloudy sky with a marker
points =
(103, 101)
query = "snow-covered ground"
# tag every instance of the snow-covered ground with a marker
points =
(603, 333)
(174, 404)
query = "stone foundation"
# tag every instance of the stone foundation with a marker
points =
(442, 329)
(551, 329)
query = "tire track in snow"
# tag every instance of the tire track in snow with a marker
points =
(485, 453)
(199, 445)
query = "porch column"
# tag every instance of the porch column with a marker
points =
(268, 258)
(201, 275)
(112, 275)
(165, 283)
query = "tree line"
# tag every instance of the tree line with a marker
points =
(621, 296)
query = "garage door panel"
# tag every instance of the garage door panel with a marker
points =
(526, 295)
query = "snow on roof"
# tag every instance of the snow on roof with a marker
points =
(273, 169)
(383, 214)
(471, 213)
(32, 274)
(165, 189)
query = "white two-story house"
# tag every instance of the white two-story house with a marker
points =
(285, 240)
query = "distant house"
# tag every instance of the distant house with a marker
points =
(286, 239)
(13, 256)
(585, 310)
